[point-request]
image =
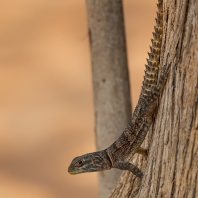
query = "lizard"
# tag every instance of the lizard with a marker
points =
(118, 154)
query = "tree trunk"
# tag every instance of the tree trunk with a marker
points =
(171, 169)
(110, 79)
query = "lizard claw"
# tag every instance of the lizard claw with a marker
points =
(136, 191)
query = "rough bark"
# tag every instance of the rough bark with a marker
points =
(110, 79)
(171, 169)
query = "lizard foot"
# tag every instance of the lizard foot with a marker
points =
(136, 191)
(142, 151)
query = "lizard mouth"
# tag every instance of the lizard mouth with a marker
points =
(71, 173)
(75, 172)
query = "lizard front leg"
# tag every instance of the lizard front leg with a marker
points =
(135, 170)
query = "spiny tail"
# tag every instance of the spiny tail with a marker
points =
(152, 67)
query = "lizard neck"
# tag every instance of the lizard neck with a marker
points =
(104, 159)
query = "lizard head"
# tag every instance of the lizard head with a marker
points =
(91, 162)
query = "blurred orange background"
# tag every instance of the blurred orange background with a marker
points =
(47, 113)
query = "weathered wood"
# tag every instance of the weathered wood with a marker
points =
(110, 79)
(171, 169)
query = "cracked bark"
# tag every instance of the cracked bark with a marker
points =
(171, 169)
(110, 79)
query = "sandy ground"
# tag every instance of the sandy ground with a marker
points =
(46, 102)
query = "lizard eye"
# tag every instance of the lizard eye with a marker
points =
(79, 163)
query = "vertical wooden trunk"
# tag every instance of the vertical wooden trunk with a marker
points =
(171, 169)
(110, 79)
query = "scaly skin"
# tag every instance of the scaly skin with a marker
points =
(118, 154)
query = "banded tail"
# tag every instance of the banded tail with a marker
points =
(152, 67)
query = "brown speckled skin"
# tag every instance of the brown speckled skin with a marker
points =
(118, 154)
